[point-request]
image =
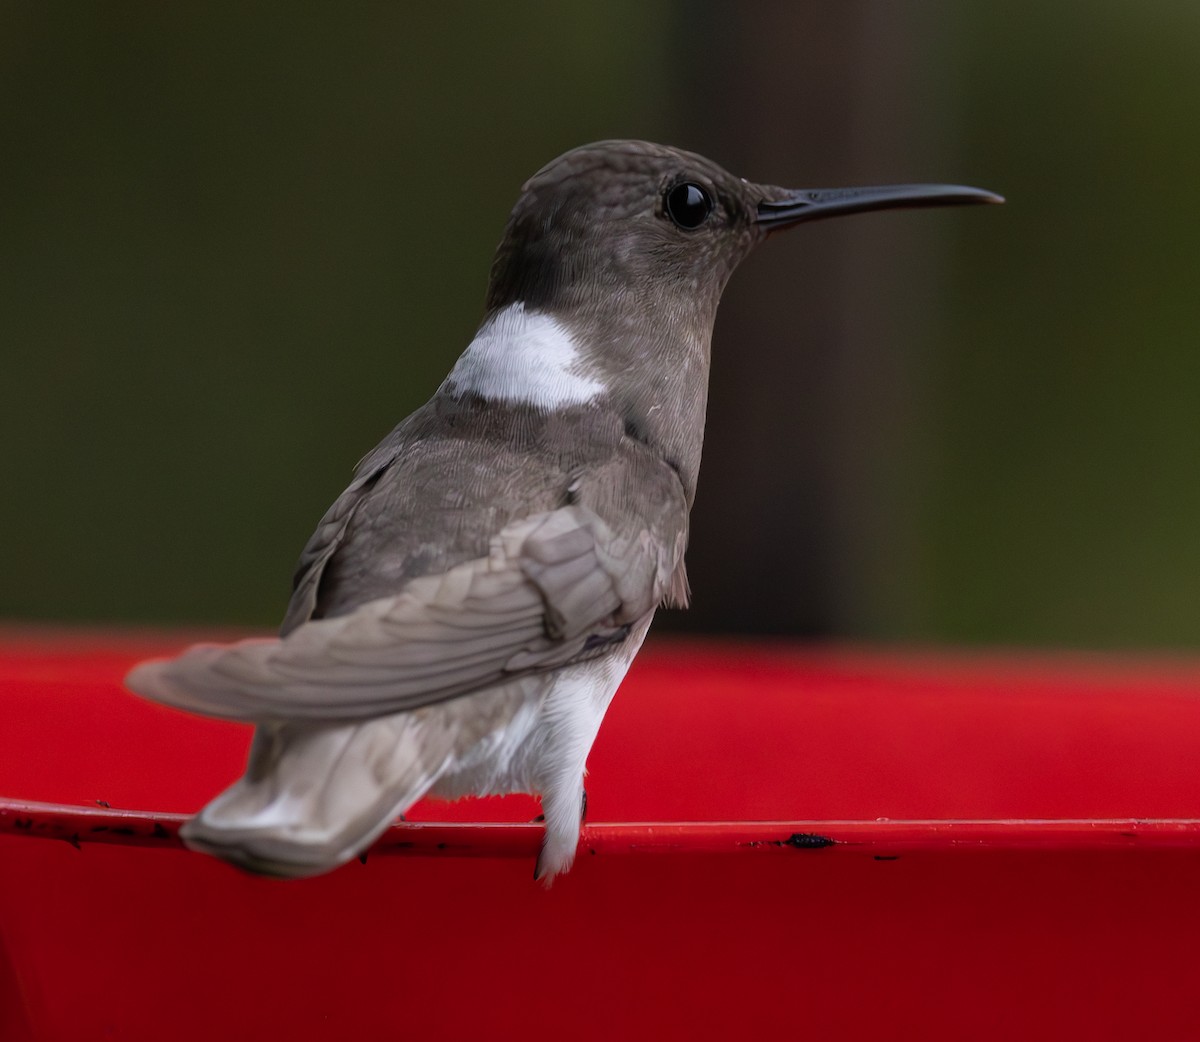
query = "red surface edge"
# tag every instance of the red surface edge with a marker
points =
(80, 825)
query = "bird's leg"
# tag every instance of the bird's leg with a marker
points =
(562, 804)
(540, 819)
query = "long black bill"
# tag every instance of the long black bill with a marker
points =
(814, 203)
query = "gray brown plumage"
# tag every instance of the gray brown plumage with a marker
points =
(466, 609)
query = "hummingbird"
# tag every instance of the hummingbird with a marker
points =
(466, 610)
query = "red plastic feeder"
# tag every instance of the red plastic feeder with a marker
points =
(790, 842)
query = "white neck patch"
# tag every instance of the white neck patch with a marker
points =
(522, 357)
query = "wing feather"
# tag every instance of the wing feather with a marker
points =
(556, 587)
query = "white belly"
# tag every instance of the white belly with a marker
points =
(555, 721)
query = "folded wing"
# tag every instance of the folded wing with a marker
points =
(556, 587)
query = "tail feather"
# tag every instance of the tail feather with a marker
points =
(315, 796)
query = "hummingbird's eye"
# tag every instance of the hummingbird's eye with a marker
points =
(688, 205)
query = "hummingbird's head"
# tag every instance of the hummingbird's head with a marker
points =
(631, 222)
(605, 286)
(624, 219)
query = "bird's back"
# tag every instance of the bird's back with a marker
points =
(436, 491)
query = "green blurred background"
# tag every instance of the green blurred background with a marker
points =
(238, 243)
